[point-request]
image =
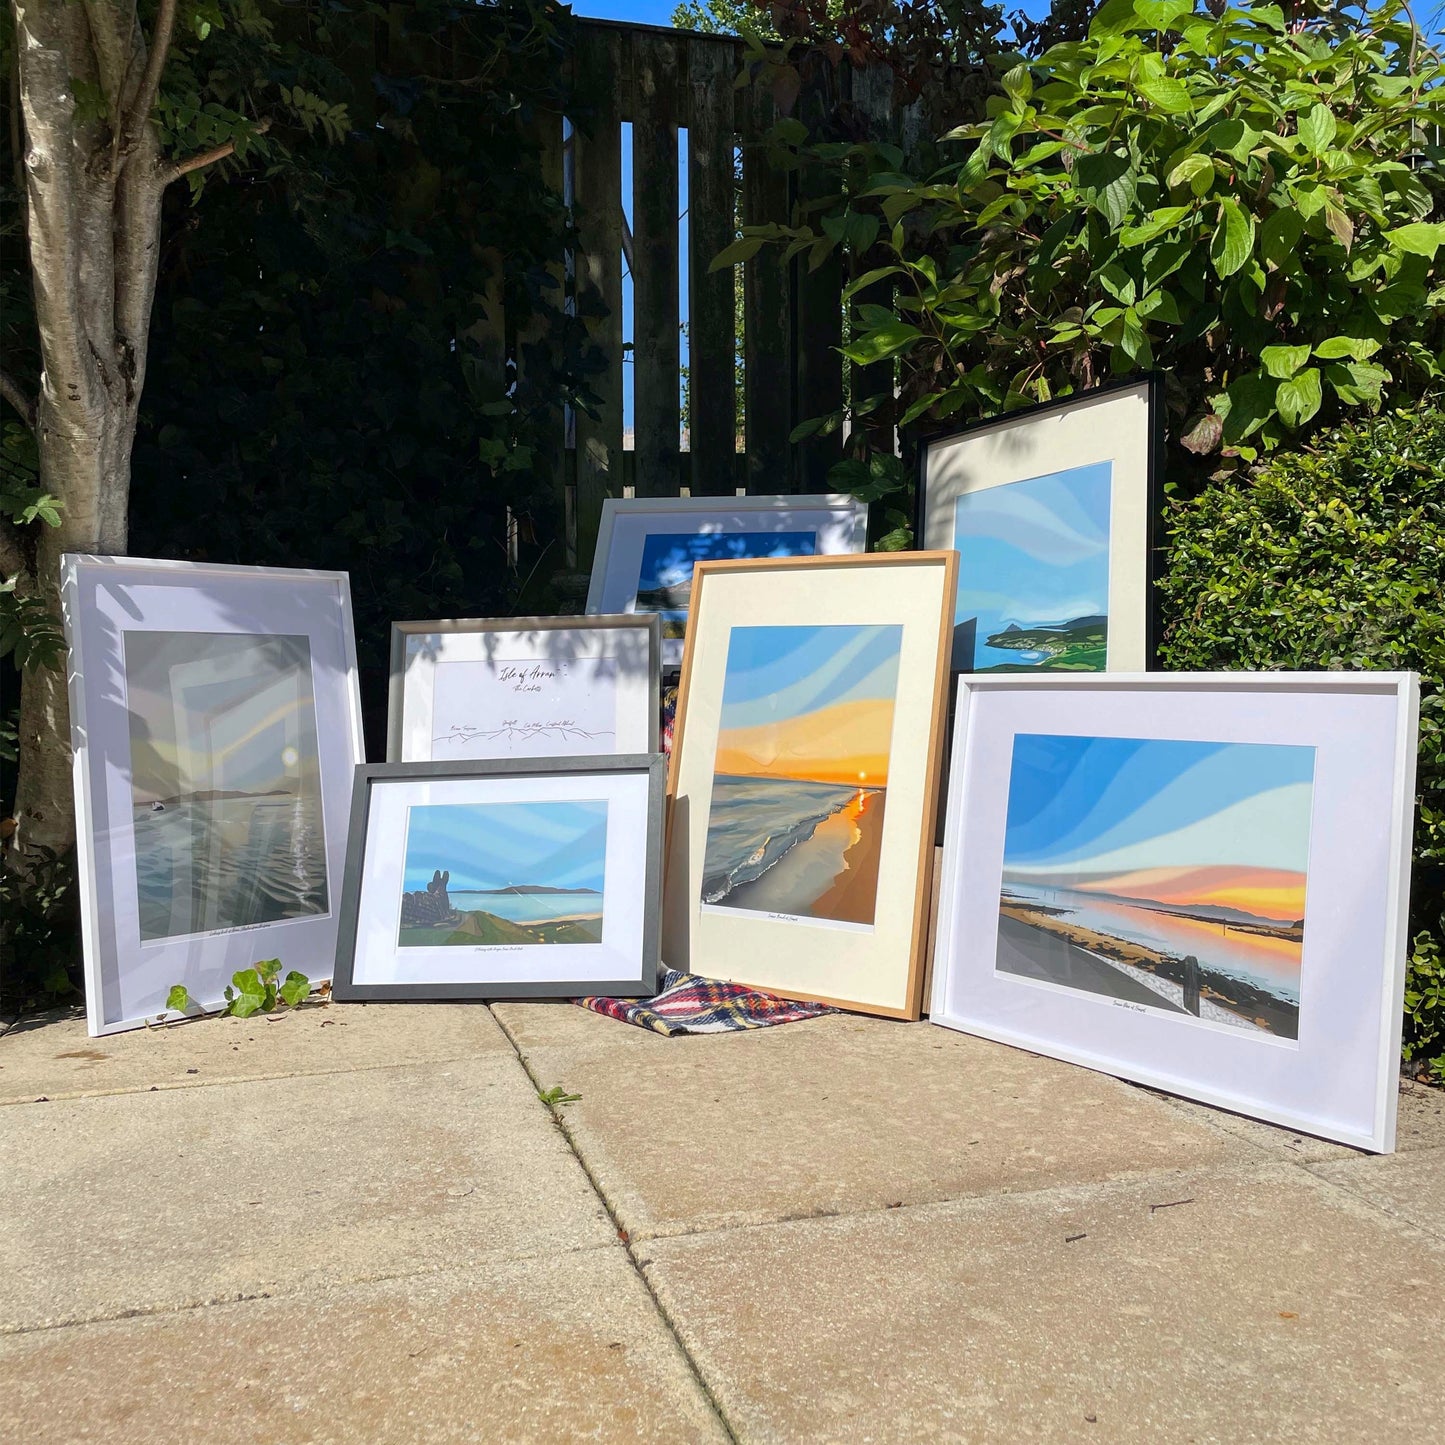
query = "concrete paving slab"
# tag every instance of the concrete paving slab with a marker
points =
(563, 1348)
(1269, 1306)
(845, 1113)
(155, 1200)
(54, 1057)
(538, 1028)
(1409, 1186)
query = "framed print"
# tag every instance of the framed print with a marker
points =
(1053, 511)
(504, 878)
(523, 687)
(215, 721)
(648, 546)
(804, 776)
(1197, 881)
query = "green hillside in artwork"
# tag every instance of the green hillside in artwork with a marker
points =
(1077, 646)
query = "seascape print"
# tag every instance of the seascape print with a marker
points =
(801, 775)
(664, 584)
(503, 873)
(1160, 875)
(225, 781)
(1033, 574)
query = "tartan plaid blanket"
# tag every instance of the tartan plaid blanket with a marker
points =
(687, 1004)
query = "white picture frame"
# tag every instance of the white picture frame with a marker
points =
(215, 722)
(1054, 511)
(466, 690)
(503, 878)
(1079, 869)
(632, 530)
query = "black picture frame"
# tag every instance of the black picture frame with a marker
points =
(642, 983)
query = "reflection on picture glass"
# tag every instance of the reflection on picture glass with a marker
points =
(225, 781)
(801, 775)
(1033, 574)
(504, 873)
(1160, 875)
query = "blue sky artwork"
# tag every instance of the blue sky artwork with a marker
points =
(669, 557)
(498, 845)
(1033, 553)
(776, 673)
(1092, 805)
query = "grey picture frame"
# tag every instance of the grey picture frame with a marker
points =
(401, 631)
(368, 775)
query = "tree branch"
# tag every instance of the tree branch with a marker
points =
(207, 158)
(139, 113)
(10, 390)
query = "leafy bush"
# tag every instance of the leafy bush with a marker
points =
(1334, 557)
(40, 933)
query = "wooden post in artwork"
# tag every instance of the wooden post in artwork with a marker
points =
(1191, 984)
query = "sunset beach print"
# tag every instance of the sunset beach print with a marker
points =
(1033, 574)
(1160, 875)
(801, 774)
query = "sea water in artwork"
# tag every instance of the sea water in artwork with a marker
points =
(504, 873)
(801, 775)
(664, 582)
(1033, 573)
(225, 781)
(1160, 875)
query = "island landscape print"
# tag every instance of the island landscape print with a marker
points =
(225, 781)
(664, 583)
(504, 873)
(801, 773)
(1033, 574)
(1160, 875)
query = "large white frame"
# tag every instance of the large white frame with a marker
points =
(1340, 1079)
(839, 523)
(102, 598)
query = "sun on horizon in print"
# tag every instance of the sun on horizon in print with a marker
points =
(801, 772)
(1033, 574)
(1160, 875)
(504, 873)
(664, 582)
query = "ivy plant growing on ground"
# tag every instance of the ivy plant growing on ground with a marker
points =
(1248, 200)
(253, 990)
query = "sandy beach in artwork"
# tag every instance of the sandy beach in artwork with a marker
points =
(800, 789)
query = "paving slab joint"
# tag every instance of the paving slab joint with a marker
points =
(626, 1239)
(1361, 1199)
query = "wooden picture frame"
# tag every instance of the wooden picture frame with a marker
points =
(511, 687)
(633, 529)
(589, 828)
(1055, 511)
(1196, 881)
(215, 722)
(806, 681)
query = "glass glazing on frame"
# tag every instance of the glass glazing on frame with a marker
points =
(801, 772)
(1160, 875)
(225, 781)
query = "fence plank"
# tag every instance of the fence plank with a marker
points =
(767, 312)
(656, 349)
(712, 317)
(597, 166)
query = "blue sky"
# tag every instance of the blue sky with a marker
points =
(495, 845)
(668, 557)
(1034, 552)
(774, 673)
(1077, 801)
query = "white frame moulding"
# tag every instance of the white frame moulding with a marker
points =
(949, 1011)
(71, 564)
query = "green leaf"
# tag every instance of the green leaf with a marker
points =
(1162, 220)
(882, 342)
(1107, 182)
(1283, 361)
(1167, 94)
(178, 1000)
(1251, 403)
(1161, 14)
(250, 993)
(1421, 238)
(878, 273)
(1279, 236)
(295, 988)
(1195, 171)
(1317, 128)
(1298, 399)
(743, 249)
(1336, 347)
(1233, 241)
